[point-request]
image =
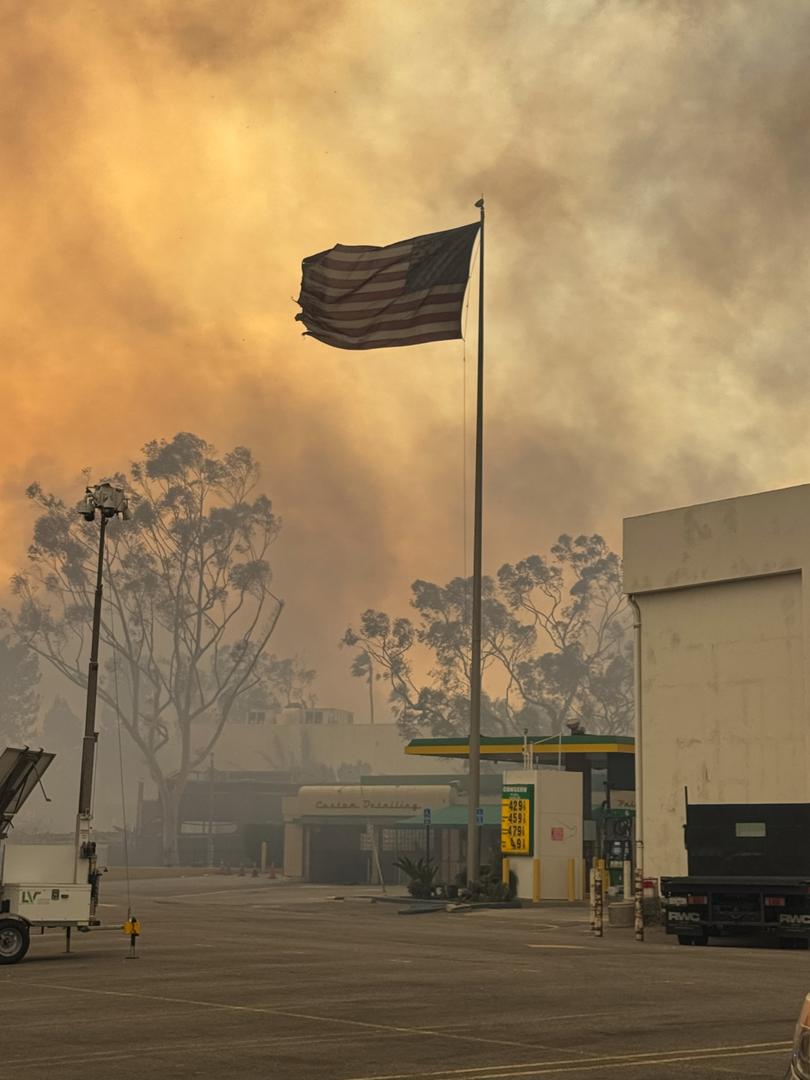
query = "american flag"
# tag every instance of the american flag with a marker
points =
(361, 297)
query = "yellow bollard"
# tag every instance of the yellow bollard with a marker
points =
(505, 871)
(572, 880)
(535, 880)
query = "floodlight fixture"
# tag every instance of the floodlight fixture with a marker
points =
(109, 500)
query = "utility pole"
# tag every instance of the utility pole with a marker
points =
(210, 853)
(370, 686)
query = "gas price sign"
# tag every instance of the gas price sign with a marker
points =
(517, 819)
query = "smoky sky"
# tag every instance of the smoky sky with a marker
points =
(167, 165)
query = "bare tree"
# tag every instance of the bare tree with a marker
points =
(188, 610)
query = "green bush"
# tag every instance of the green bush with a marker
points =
(489, 886)
(422, 874)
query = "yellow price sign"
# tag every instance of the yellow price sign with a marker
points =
(517, 812)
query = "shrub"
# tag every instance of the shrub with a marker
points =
(422, 874)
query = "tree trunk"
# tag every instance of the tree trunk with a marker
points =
(170, 795)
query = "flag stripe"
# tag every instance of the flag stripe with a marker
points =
(408, 302)
(440, 308)
(390, 333)
(367, 264)
(345, 253)
(342, 322)
(435, 312)
(367, 343)
(392, 286)
(394, 321)
(330, 276)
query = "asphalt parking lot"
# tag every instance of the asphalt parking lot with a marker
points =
(237, 977)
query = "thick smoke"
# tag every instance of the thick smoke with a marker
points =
(167, 165)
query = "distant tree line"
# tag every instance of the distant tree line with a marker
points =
(556, 647)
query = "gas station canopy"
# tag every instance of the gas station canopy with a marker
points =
(511, 747)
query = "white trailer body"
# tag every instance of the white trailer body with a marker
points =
(43, 904)
(39, 884)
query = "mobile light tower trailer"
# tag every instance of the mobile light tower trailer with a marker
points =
(55, 885)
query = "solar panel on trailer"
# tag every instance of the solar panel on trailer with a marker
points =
(20, 772)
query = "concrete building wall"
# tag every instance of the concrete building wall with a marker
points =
(724, 664)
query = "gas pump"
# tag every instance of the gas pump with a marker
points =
(616, 835)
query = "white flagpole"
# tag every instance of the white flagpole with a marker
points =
(474, 787)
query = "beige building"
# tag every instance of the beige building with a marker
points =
(722, 659)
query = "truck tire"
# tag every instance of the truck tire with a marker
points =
(14, 940)
(692, 939)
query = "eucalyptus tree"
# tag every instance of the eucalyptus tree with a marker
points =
(19, 700)
(556, 647)
(188, 608)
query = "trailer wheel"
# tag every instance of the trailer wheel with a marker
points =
(691, 939)
(14, 940)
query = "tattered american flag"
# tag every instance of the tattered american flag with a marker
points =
(360, 297)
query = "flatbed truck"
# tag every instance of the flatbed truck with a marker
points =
(748, 874)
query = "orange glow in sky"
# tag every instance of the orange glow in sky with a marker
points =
(167, 165)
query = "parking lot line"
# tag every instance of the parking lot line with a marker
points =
(271, 1011)
(557, 946)
(609, 1064)
(539, 1068)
